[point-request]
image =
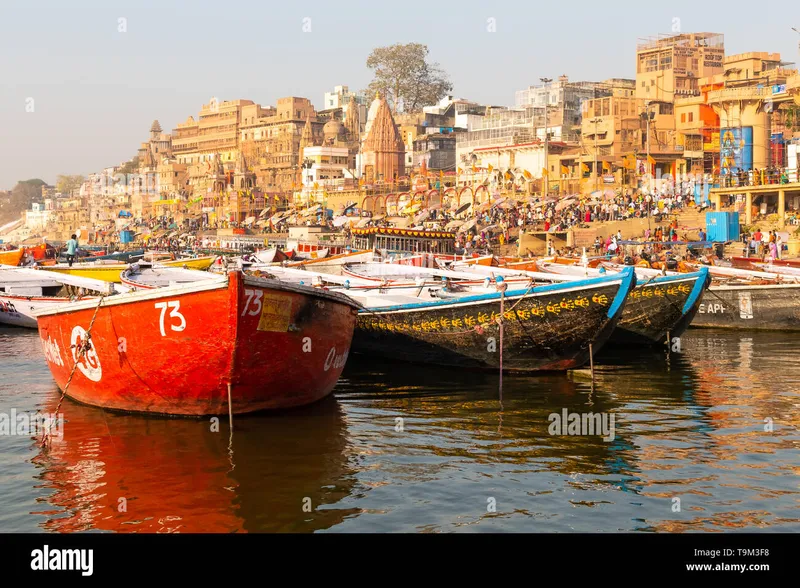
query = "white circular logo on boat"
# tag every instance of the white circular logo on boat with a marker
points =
(89, 364)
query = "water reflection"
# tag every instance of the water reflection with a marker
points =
(177, 475)
(404, 448)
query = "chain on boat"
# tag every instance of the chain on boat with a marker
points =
(85, 346)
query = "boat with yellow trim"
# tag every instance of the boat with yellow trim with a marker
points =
(107, 272)
(195, 263)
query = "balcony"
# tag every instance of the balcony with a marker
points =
(731, 94)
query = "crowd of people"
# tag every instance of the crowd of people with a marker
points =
(754, 177)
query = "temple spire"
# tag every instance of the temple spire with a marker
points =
(353, 121)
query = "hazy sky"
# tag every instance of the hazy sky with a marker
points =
(96, 90)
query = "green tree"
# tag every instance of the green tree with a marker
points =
(406, 77)
(20, 198)
(66, 184)
(130, 167)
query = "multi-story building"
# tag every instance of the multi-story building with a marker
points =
(195, 143)
(328, 164)
(611, 131)
(750, 99)
(436, 150)
(37, 218)
(563, 101)
(498, 129)
(271, 137)
(670, 66)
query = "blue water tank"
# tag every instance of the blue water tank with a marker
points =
(126, 236)
(722, 226)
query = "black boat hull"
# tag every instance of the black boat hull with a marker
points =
(660, 309)
(769, 308)
(549, 330)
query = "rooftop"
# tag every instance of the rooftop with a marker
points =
(665, 41)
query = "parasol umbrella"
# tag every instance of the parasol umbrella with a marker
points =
(463, 207)
(468, 225)
(422, 216)
(484, 207)
(453, 224)
(363, 222)
(436, 206)
(564, 203)
(499, 201)
(340, 221)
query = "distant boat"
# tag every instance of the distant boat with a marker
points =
(195, 263)
(333, 264)
(12, 257)
(107, 272)
(235, 342)
(117, 256)
(25, 291)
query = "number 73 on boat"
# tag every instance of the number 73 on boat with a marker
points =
(230, 343)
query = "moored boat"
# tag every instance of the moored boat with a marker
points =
(202, 348)
(193, 263)
(107, 272)
(333, 264)
(25, 291)
(12, 257)
(659, 308)
(141, 276)
(773, 307)
(545, 328)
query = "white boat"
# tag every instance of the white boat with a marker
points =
(334, 263)
(145, 277)
(24, 291)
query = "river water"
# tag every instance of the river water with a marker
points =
(705, 439)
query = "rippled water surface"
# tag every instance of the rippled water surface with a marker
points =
(704, 440)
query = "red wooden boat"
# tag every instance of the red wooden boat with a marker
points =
(183, 350)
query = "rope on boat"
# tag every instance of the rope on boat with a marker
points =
(85, 346)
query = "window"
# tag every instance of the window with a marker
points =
(691, 116)
(683, 117)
